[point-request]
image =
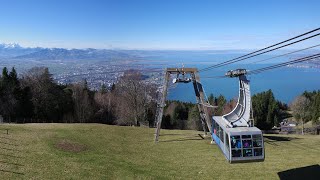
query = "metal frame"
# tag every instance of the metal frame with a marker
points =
(202, 102)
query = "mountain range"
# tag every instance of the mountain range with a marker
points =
(15, 51)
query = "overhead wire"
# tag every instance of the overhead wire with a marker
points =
(253, 54)
(213, 77)
(257, 71)
(234, 61)
(308, 58)
(263, 60)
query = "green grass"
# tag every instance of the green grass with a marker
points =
(113, 152)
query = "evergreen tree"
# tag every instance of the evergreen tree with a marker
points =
(5, 75)
(211, 99)
(103, 89)
(221, 101)
(13, 76)
(266, 110)
(194, 121)
(10, 94)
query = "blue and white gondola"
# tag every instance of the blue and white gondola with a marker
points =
(233, 133)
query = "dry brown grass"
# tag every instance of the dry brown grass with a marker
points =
(69, 146)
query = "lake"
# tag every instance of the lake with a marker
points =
(286, 82)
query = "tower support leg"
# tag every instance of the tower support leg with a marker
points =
(161, 106)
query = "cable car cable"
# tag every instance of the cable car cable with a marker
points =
(234, 61)
(210, 67)
(285, 54)
(267, 47)
(308, 58)
(213, 77)
(284, 64)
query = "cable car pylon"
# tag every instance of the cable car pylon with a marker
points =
(202, 102)
(234, 133)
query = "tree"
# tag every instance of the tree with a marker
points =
(133, 98)
(221, 102)
(26, 105)
(313, 112)
(67, 104)
(211, 99)
(48, 98)
(315, 108)
(266, 110)
(103, 89)
(5, 75)
(194, 121)
(299, 107)
(83, 102)
(13, 77)
(229, 106)
(9, 94)
(180, 116)
(106, 106)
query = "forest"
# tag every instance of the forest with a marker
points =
(36, 98)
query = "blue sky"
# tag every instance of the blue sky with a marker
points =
(156, 24)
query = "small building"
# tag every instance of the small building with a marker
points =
(287, 126)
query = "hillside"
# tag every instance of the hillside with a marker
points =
(96, 151)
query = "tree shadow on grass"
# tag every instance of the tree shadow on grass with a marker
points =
(193, 138)
(280, 138)
(308, 172)
(272, 140)
(177, 140)
(9, 149)
(11, 139)
(11, 172)
(271, 143)
(10, 163)
(10, 156)
(8, 143)
(171, 134)
(175, 134)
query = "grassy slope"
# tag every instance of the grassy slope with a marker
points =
(118, 152)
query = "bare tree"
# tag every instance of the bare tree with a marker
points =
(106, 103)
(134, 98)
(299, 107)
(228, 107)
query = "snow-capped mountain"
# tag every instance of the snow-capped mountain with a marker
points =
(9, 45)
(74, 54)
(15, 51)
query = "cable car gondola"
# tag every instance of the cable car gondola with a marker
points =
(234, 132)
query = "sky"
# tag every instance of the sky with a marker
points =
(156, 24)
